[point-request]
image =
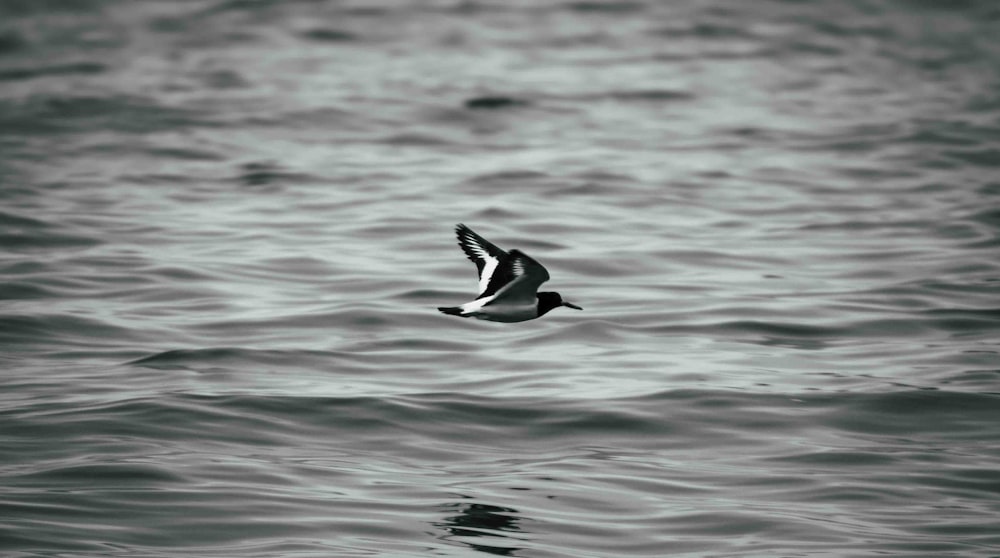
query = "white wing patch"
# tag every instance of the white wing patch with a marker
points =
(476, 305)
(489, 262)
(488, 269)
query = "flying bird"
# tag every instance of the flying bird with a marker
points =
(508, 283)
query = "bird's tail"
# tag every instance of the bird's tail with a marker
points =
(451, 310)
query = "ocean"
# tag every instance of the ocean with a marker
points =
(226, 225)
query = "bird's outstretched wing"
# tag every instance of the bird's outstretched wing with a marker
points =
(487, 257)
(526, 275)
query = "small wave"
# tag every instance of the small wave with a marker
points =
(11, 41)
(20, 74)
(97, 475)
(417, 139)
(714, 31)
(494, 102)
(27, 233)
(516, 179)
(964, 321)
(186, 154)
(267, 173)
(606, 7)
(237, 357)
(121, 113)
(652, 95)
(62, 330)
(20, 290)
(328, 35)
(988, 157)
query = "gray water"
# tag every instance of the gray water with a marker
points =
(226, 226)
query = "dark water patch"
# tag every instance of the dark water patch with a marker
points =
(423, 295)
(948, 291)
(604, 176)
(977, 479)
(987, 378)
(168, 24)
(976, 7)
(840, 459)
(18, 331)
(412, 344)
(45, 240)
(914, 225)
(492, 214)
(629, 96)
(711, 30)
(328, 119)
(235, 357)
(213, 419)
(986, 157)
(917, 412)
(266, 173)
(224, 79)
(186, 154)
(366, 11)
(11, 42)
(251, 6)
(493, 102)
(512, 180)
(329, 35)
(96, 476)
(988, 216)
(523, 420)
(801, 47)
(202, 29)
(296, 266)
(787, 334)
(13, 223)
(20, 74)
(623, 7)
(417, 140)
(156, 179)
(20, 290)
(652, 95)
(800, 336)
(964, 321)
(126, 114)
(23, 268)
(588, 189)
(20, 8)
(944, 137)
(853, 28)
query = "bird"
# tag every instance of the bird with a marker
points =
(508, 283)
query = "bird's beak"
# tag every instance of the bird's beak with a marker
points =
(571, 305)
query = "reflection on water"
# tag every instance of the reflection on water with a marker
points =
(479, 525)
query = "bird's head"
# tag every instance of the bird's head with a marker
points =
(548, 301)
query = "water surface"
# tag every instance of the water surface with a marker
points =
(226, 227)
